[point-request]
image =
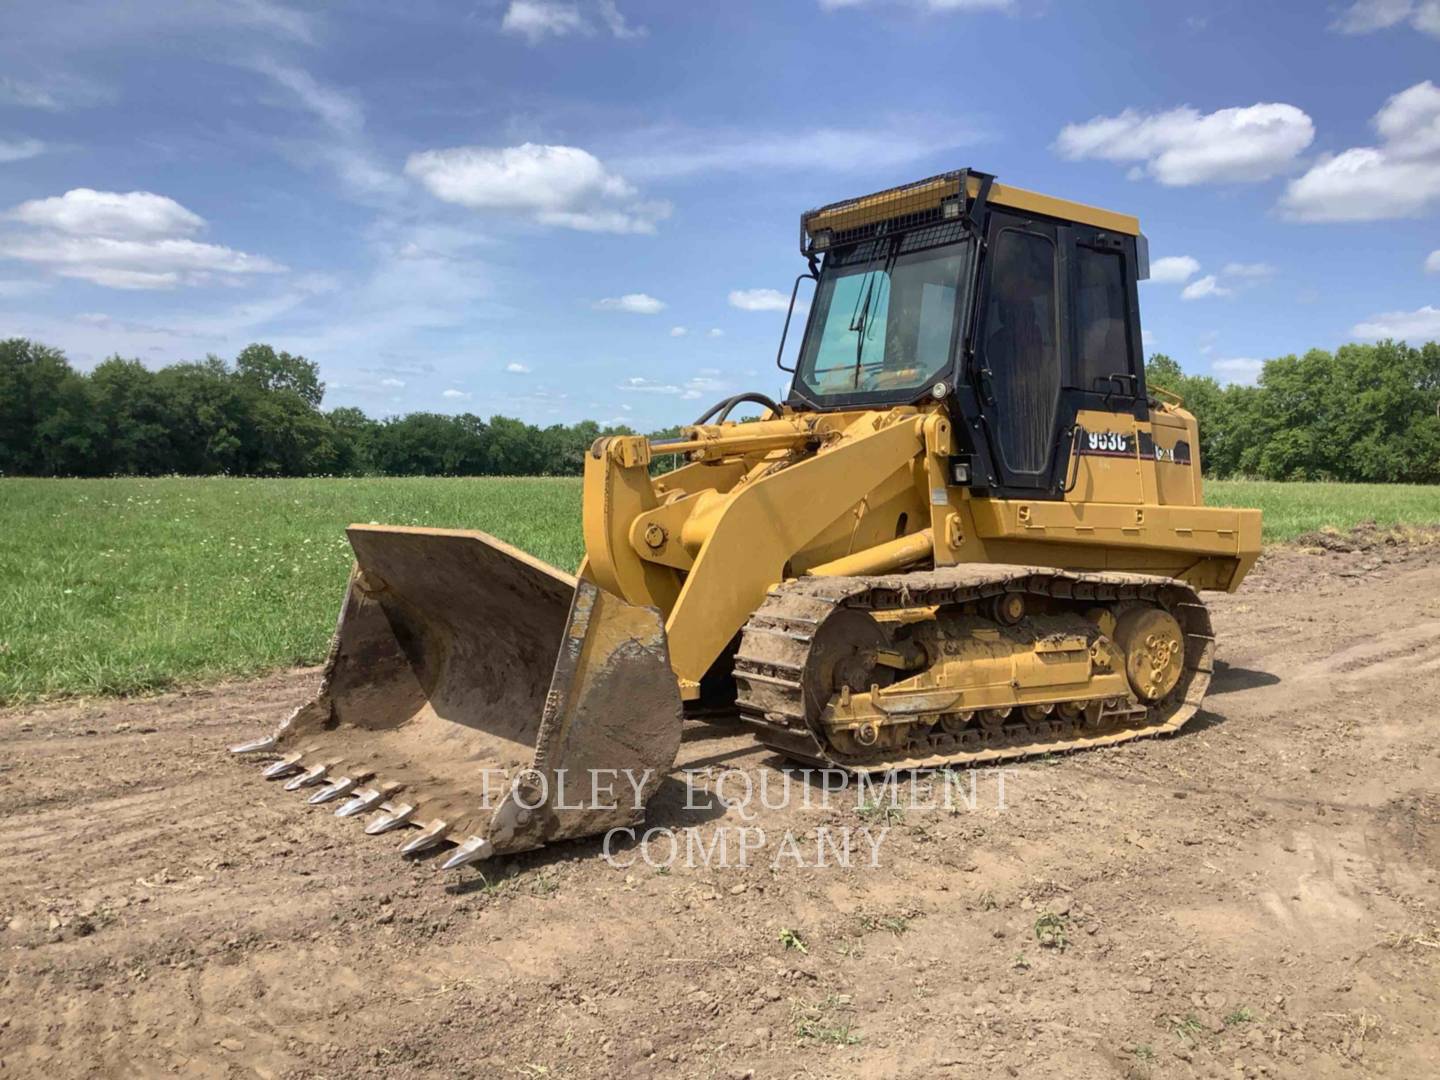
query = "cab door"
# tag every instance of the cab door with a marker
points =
(1104, 385)
(1022, 353)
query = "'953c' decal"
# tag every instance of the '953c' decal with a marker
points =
(1121, 444)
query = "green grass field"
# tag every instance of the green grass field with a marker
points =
(124, 586)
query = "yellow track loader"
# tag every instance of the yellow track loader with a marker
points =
(969, 533)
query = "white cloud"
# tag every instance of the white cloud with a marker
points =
(1237, 369)
(556, 185)
(1252, 271)
(132, 215)
(392, 382)
(639, 384)
(715, 331)
(678, 331)
(271, 17)
(760, 300)
(1362, 184)
(1147, 337)
(134, 264)
(50, 36)
(58, 91)
(1368, 16)
(1432, 264)
(616, 23)
(535, 20)
(1173, 269)
(1365, 16)
(692, 389)
(27, 95)
(666, 152)
(20, 149)
(455, 395)
(182, 333)
(634, 303)
(516, 368)
(1423, 324)
(131, 240)
(1209, 285)
(338, 109)
(1399, 178)
(1181, 147)
(346, 150)
(1409, 122)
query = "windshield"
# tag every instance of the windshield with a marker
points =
(883, 321)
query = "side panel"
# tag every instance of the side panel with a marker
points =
(1209, 547)
(1177, 458)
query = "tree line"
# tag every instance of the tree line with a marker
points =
(1361, 413)
(1364, 413)
(258, 416)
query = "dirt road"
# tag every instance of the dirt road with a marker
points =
(1258, 896)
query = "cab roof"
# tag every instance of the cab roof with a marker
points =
(924, 198)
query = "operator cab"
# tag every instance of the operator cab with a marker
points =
(1017, 310)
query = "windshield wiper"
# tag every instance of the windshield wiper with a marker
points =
(860, 319)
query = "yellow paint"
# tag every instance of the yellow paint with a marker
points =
(857, 492)
(927, 195)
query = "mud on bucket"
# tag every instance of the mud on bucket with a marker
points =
(469, 686)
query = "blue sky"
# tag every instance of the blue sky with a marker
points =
(568, 209)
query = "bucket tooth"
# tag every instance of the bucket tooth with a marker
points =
(343, 786)
(308, 778)
(254, 746)
(366, 799)
(476, 847)
(284, 767)
(433, 834)
(399, 814)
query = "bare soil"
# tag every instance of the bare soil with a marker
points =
(1256, 896)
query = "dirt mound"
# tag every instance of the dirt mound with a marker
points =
(1368, 536)
(1257, 896)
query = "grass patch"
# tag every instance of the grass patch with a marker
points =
(1050, 931)
(895, 924)
(123, 586)
(1187, 1028)
(791, 939)
(824, 1022)
(880, 811)
(1294, 509)
(129, 586)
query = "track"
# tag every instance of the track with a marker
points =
(777, 650)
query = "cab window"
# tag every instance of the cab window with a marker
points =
(883, 322)
(1100, 315)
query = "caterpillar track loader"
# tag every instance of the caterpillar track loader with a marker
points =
(969, 533)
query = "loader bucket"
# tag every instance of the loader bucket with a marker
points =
(483, 696)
